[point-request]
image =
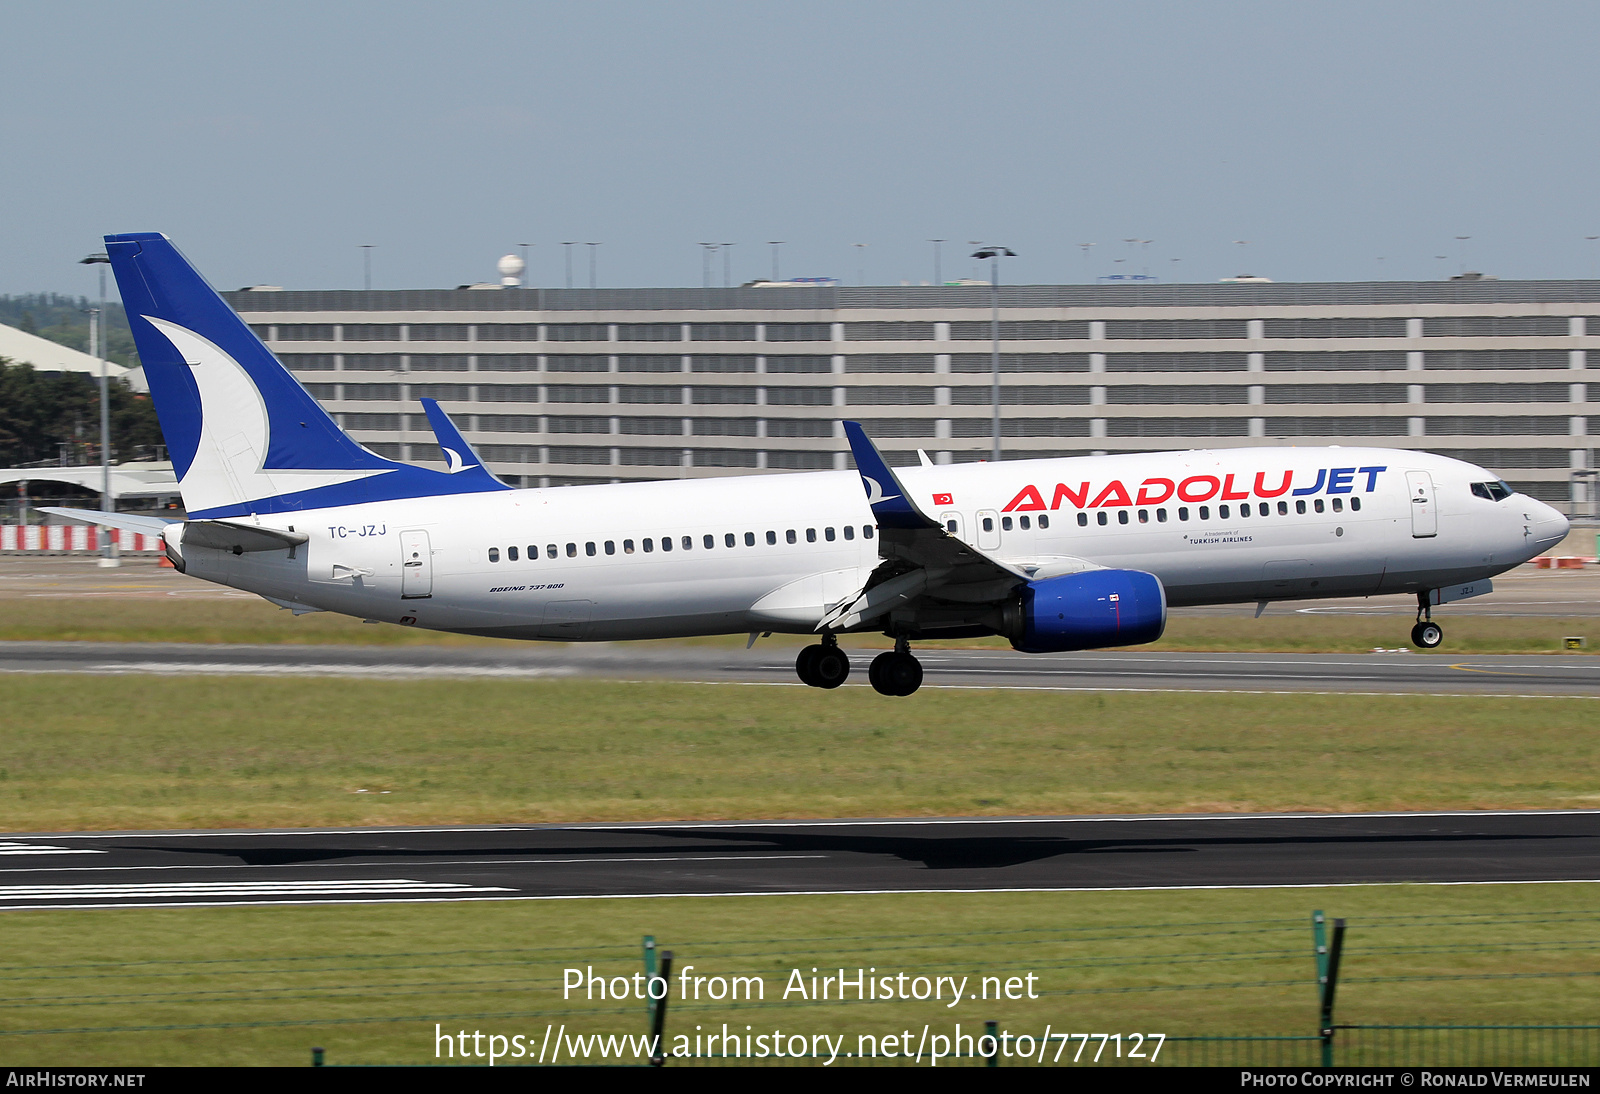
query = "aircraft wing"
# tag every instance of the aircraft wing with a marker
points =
(922, 562)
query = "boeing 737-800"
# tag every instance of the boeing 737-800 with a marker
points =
(1054, 555)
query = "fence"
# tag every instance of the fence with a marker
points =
(65, 538)
(1518, 988)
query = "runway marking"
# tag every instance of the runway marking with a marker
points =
(8, 848)
(807, 892)
(245, 668)
(382, 886)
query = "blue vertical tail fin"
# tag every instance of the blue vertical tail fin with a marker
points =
(244, 435)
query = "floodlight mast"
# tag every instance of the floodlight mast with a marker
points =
(97, 347)
(994, 254)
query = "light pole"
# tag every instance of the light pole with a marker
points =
(592, 281)
(97, 340)
(1087, 269)
(525, 277)
(938, 279)
(708, 249)
(727, 265)
(366, 265)
(994, 254)
(568, 252)
(775, 244)
(861, 269)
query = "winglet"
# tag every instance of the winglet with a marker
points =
(458, 454)
(890, 503)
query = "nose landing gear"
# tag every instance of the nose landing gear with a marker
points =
(1427, 634)
(896, 672)
(823, 664)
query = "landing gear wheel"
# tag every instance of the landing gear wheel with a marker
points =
(805, 666)
(895, 673)
(1427, 635)
(829, 668)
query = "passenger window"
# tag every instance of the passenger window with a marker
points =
(1161, 516)
(1122, 516)
(649, 546)
(988, 524)
(710, 542)
(550, 550)
(1283, 508)
(511, 554)
(1044, 521)
(627, 546)
(1244, 510)
(1222, 512)
(1300, 507)
(1338, 505)
(949, 526)
(811, 535)
(772, 539)
(666, 543)
(533, 552)
(1024, 523)
(866, 530)
(790, 536)
(494, 554)
(572, 550)
(1083, 520)
(849, 531)
(1317, 505)
(749, 539)
(1100, 517)
(728, 539)
(688, 543)
(1005, 524)
(611, 546)
(1183, 512)
(1205, 512)
(1144, 516)
(1355, 505)
(827, 534)
(588, 548)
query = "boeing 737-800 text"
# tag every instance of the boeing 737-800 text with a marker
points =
(1060, 554)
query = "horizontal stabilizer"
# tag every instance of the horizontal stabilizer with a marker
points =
(241, 539)
(128, 522)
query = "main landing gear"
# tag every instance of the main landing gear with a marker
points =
(1427, 634)
(823, 665)
(896, 672)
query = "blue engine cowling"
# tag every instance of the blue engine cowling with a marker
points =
(1088, 610)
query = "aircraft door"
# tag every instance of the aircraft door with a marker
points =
(416, 566)
(954, 524)
(1424, 515)
(988, 530)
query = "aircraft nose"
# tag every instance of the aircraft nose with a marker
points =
(1549, 525)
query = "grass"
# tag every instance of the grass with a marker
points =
(255, 622)
(234, 986)
(175, 752)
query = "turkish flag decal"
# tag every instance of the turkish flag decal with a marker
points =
(943, 499)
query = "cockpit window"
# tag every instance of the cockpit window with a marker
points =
(1492, 491)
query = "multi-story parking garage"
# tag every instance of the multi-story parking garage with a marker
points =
(575, 386)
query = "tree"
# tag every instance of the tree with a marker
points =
(40, 411)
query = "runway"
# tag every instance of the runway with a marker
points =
(1389, 673)
(153, 869)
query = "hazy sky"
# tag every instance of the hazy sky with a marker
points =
(1342, 141)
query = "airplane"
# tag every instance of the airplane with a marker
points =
(1054, 555)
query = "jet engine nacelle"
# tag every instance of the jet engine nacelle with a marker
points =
(1085, 611)
(172, 544)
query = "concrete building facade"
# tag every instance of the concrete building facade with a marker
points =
(578, 386)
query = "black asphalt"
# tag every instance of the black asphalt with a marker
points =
(1577, 674)
(386, 865)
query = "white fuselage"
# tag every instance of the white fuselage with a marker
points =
(571, 563)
